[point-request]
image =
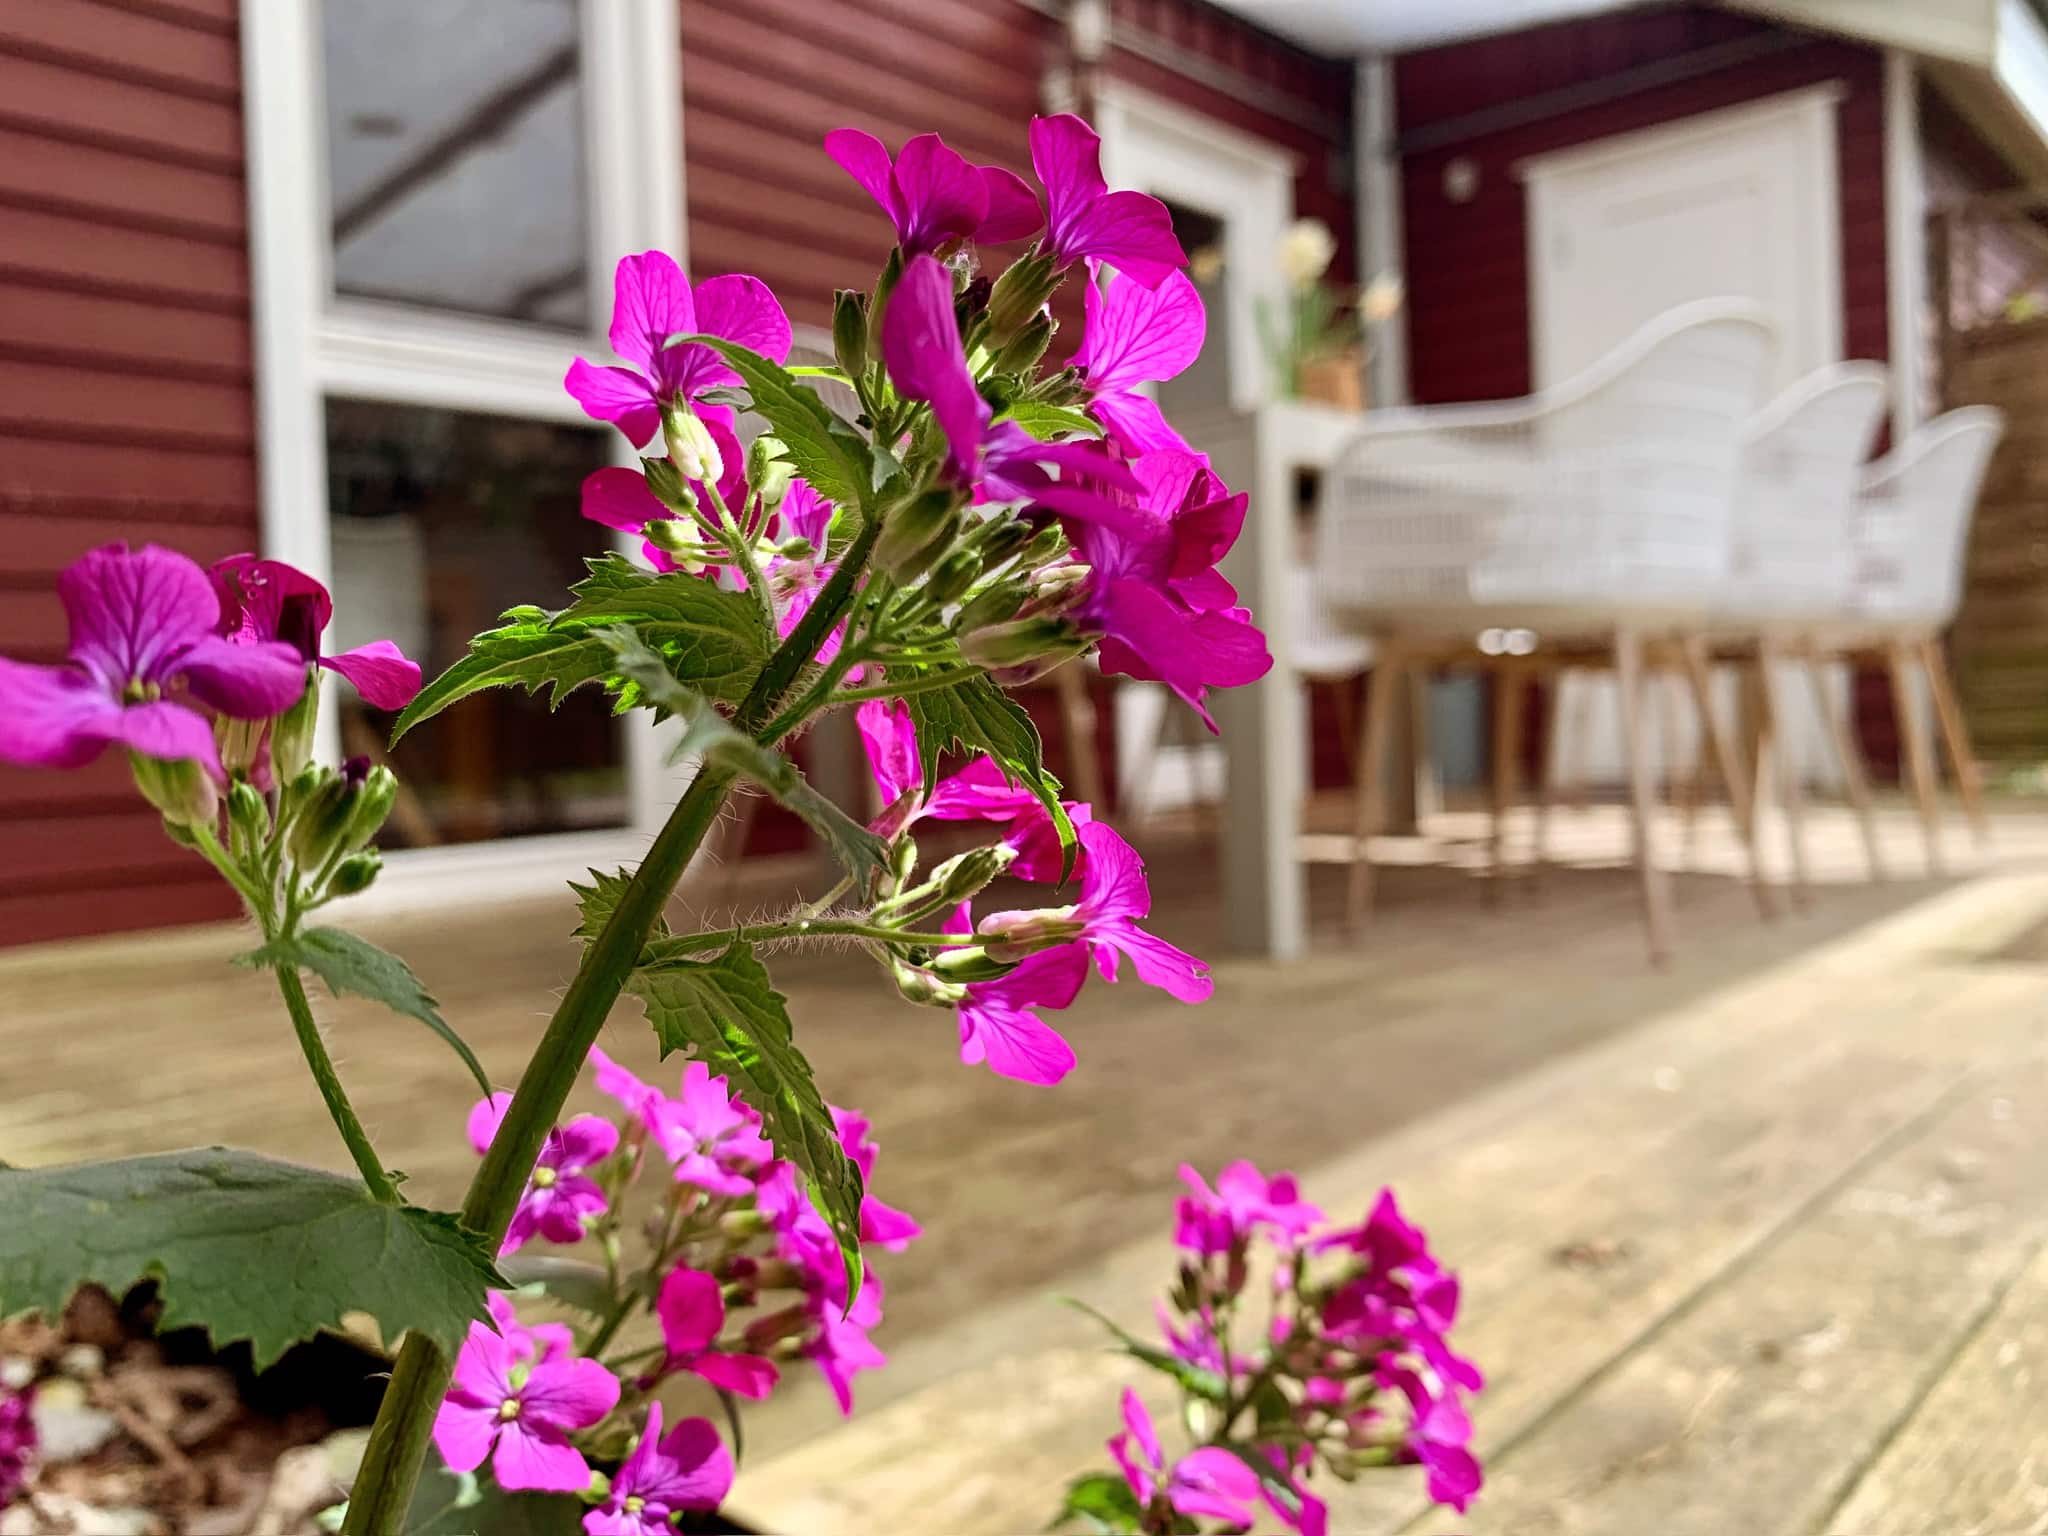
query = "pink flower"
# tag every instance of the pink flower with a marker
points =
(17, 1443)
(839, 1344)
(144, 661)
(1438, 1437)
(1164, 612)
(922, 349)
(980, 791)
(713, 1140)
(688, 1469)
(1243, 1201)
(268, 600)
(1138, 335)
(653, 301)
(932, 195)
(1209, 1483)
(880, 1224)
(1304, 1513)
(1130, 231)
(543, 1341)
(520, 1412)
(560, 1196)
(692, 1315)
(1114, 897)
(998, 1024)
(619, 498)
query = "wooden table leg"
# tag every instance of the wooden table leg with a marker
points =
(1919, 751)
(1955, 736)
(1775, 759)
(1850, 756)
(1383, 697)
(1716, 746)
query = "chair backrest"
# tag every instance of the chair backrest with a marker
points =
(1613, 486)
(1801, 464)
(1913, 517)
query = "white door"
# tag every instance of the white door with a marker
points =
(1739, 203)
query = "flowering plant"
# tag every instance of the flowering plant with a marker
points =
(980, 519)
(1318, 321)
(1349, 1368)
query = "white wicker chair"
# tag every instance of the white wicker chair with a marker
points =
(1595, 514)
(1911, 532)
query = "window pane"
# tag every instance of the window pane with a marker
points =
(455, 155)
(440, 521)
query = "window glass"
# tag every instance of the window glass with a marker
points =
(455, 155)
(440, 521)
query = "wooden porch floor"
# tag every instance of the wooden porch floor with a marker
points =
(1753, 1243)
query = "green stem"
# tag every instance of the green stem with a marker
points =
(926, 684)
(804, 928)
(339, 1110)
(405, 1422)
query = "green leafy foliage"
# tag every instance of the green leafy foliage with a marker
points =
(1048, 422)
(726, 1012)
(711, 736)
(463, 1504)
(597, 901)
(244, 1246)
(976, 716)
(356, 966)
(1099, 1503)
(705, 636)
(824, 448)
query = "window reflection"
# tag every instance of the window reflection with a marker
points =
(440, 521)
(455, 155)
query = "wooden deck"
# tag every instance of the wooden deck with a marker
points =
(1752, 1244)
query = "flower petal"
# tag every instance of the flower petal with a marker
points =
(585, 1140)
(691, 1311)
(53, 717)
(568, 1394)
(1137, 335)
(1159, 964)
(695, 1469)
(1013, 1042)
(617, 395)
(943, 198)
(1013, 210)
(133, 613)
(1067, 155)
(747, 1376)
(485, 1119)
(526, 1460)
(166, 730)
(866, 159)
(1128, 230)
(619, 498)
(890, 739)
(382, 673)
(463, 1434)
(1137, 423)
(921, 348)
(1113, 878)
(651, 302)
(738, 308)
(247, 681)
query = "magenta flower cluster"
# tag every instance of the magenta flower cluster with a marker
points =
(17, 1443)
(729, 1230)
(1350, 1367)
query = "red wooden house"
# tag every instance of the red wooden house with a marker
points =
(304, 276)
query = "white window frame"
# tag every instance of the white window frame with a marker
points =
(311, 343)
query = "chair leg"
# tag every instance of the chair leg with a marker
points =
(1545, 787)
(1507, 752)
(1682, 789)
(1429, 788)
(1919, 751)
(1775, 759)
(1850, 758)
(1716, 747)
(1382, 697)
(1628, 666)
(1955, 736)
(1575, 690)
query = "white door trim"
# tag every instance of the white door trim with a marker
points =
(308, 343)
(1905, 241)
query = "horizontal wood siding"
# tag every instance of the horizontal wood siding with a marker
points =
(126, 406)
(1467, 263)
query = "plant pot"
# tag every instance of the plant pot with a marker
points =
(1335, 378)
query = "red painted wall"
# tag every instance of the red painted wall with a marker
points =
(126, 407)
(1468, 278)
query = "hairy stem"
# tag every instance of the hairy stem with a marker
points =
(806, 928)
(930, 682)
(405, 1421)
(339, 1110)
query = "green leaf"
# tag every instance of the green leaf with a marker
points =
(707, 637)
(823, 447)
(574, 1282)
(726, 1012)
(1102, 1502)
(1047, 422)
(598, 900)
(244, 1246)
(450, 1504)
(1198, 1380)
(714, 738)
(352, 965)
(977, 716)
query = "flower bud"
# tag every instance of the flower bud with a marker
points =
(776, 1328)
(1018, 641)
(796, 549)
(970, 965)
(1006, 538)
(952, 576)
(991, 607)
(743, 1224)
(903, 859)
(691, 444)
(965, 874)
(773, 485)
(321, 828)
(248, 815)
(1019, 294)
(1022, 352)
(355, 873)
(923, 988)
(850, 331)
(915, 533)
(291, 734)
(179, 787)
(667, 485)
(373, 803)
(885, 285)
(1013, 935)
(682, 541)
(761, 453)
(238, 742)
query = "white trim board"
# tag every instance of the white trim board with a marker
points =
(310, 344)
